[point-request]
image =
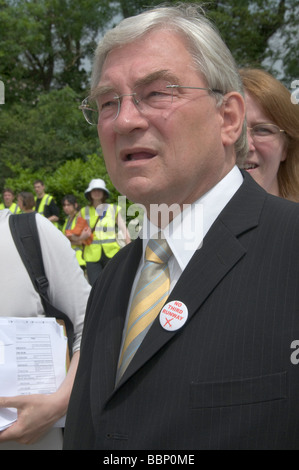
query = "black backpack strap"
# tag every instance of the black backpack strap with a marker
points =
(25, 235)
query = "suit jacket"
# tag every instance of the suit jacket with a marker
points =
(228, 379)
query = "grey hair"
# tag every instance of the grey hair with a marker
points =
(211, 56)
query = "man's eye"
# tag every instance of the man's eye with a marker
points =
(157, 96)
(158, 93)
(108, 104)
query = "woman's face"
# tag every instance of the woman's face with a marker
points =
(97, 196)
(68, 208)
(264, 156)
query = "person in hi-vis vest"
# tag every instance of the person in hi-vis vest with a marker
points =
(102, 219)
(71, 209)
(45, 204)
(8, 201)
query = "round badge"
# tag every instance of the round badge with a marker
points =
(173, 315)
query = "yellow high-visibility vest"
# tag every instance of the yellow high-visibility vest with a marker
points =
(104, 235)
(14, 208)
(46, 200)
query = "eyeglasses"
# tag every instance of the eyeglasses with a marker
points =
(264, 132)
(158, 94)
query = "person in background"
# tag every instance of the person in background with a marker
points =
(273, 136)
(190, 335)
(8, 201)
(68, 291)
(45, 204)
(26, 201)
(103, 220)
(71, 208)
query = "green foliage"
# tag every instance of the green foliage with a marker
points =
(44, 44)
(247, 27)
(132, 7)
(74, 176)
(23, 179)
(45, 135)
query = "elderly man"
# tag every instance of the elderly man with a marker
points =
(189, 333)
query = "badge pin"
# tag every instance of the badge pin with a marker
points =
(173, 315)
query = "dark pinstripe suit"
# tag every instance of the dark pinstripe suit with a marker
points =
(223, 381)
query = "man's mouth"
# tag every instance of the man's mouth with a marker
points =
(138, 156)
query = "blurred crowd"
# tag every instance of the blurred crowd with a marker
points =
(96, 232)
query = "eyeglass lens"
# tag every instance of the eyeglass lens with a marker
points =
(148, 96)
(264, 132)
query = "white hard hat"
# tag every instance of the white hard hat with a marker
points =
(97, 183)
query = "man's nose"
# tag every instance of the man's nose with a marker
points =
(129, 116)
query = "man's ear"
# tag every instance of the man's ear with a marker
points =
(233, 115)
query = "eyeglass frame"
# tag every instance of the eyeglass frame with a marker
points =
(266, 124)
(83, 106)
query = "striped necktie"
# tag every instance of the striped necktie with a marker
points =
(150, 295)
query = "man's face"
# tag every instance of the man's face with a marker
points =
(39, 189)
(171, 155)
(8, 198)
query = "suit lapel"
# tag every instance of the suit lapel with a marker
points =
(222, 249)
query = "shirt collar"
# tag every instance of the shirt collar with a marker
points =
(185, 234)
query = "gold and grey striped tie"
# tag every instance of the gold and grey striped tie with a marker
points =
(150, 295)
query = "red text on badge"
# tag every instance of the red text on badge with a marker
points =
(173, 315)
